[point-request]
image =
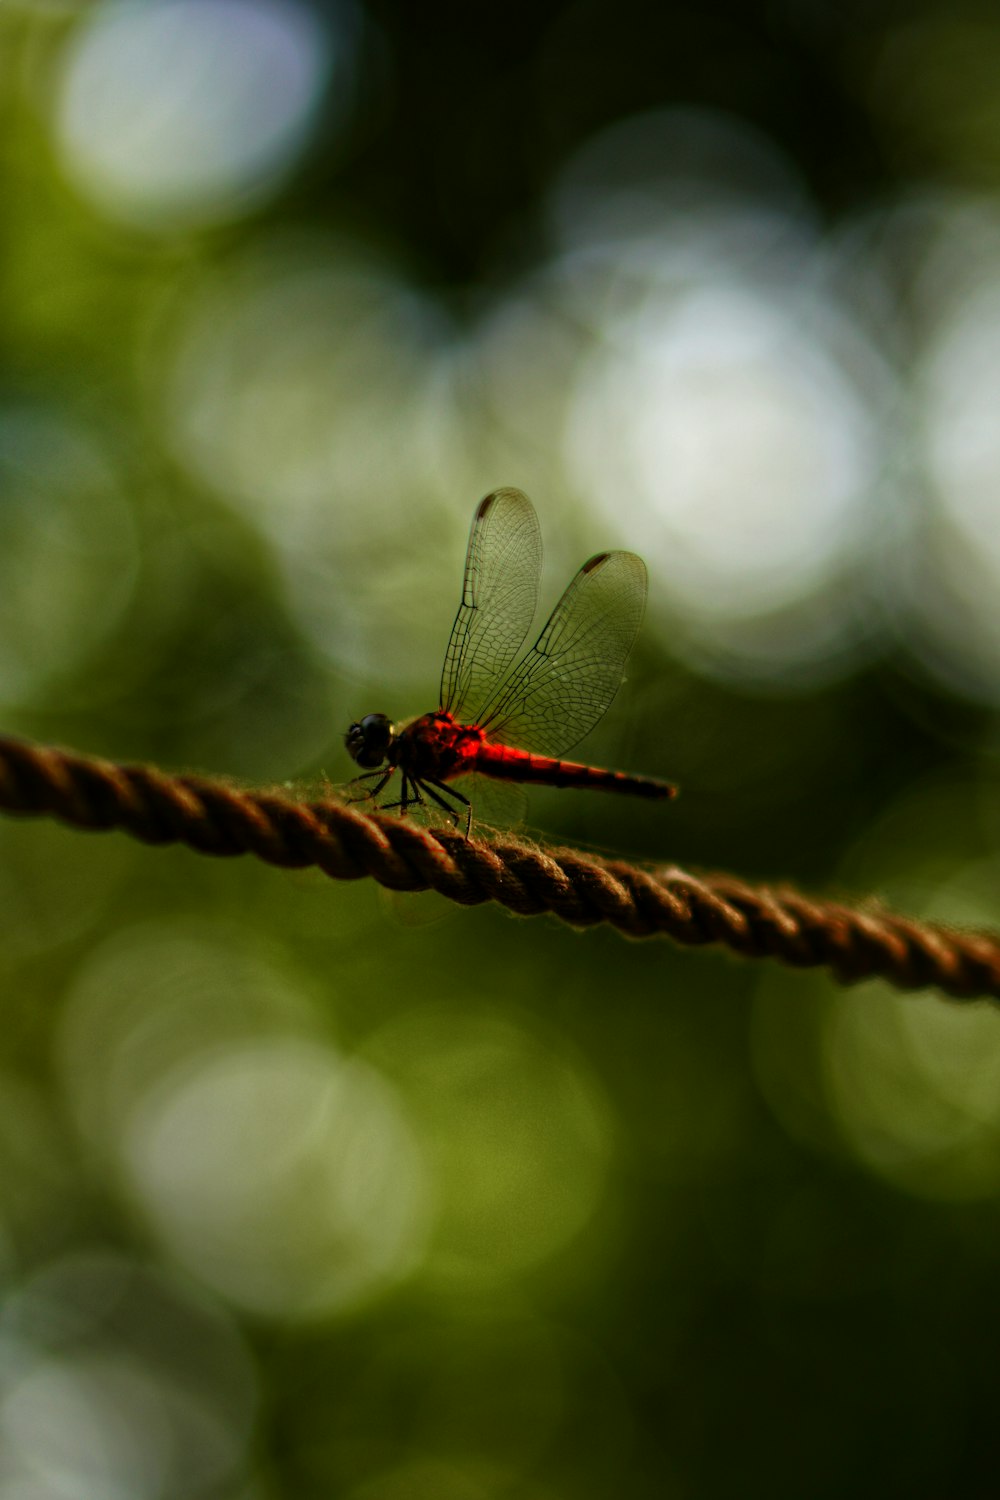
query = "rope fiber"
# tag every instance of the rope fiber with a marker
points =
(854, 941)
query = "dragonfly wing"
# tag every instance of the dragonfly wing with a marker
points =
(502, 569)
(571, 674)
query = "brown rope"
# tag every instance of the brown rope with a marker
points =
(855, 942)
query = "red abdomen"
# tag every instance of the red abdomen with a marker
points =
(506, 763)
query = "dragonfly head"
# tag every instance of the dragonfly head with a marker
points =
(368, 742)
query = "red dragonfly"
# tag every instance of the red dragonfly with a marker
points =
(513, 723)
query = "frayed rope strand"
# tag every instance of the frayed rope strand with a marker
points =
(854, 942)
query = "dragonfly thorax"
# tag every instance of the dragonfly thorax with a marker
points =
(435, 747)
(370, 740)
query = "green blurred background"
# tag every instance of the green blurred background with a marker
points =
(309, 1192)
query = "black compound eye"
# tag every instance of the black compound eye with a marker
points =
(368, 741)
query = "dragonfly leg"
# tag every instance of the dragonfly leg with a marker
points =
(412, 795)
(367, 792)
(449, 791)
(409, 797)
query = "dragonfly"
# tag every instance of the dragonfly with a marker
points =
(508, 719)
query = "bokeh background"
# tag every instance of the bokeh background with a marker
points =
(308, 1192)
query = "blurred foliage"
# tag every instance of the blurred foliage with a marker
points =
(310, 1191)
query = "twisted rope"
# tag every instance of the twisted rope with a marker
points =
(854, 942)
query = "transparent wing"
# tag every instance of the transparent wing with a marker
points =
(569, 677)
(502, 569)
